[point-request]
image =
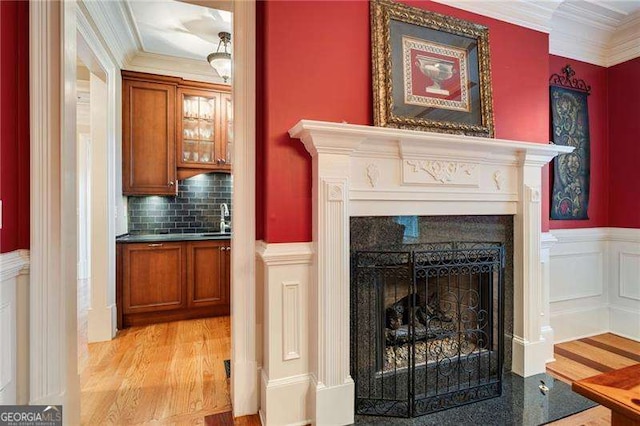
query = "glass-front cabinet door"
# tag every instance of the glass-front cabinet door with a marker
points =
(198, 128)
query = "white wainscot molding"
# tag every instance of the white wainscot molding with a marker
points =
(624, 282)
(14, 327)
(373, 171)
(595, 283)
(283, 275)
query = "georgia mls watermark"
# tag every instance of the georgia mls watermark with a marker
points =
(30, 415)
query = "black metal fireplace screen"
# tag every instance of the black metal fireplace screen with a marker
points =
(426, 327)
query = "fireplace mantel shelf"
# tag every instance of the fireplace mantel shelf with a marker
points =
(340, 137)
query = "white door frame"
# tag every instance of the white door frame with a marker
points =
(53, 327)
(102, 321)
(53, 372)
(244, 373)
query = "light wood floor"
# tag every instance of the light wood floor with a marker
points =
(171, 374)
(584, 358)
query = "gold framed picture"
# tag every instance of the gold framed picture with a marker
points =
(431, 72)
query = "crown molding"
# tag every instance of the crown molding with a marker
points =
(535, 15)
(115, 26)
(189, 69)
(586, 16)
(564, 43)
(134, 26)
(625, 43)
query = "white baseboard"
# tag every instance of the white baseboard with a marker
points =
(580, 323)
(102, 324)
(245, 372)
(529, 358)
(284, 401)
(332, 405)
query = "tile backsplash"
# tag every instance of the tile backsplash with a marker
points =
(196, 208)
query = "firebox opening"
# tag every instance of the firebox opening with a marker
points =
(427, 317)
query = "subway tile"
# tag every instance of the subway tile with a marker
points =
(196, 208)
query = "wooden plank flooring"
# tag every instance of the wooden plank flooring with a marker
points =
(170, 373)
(588, 357)
(173, 374)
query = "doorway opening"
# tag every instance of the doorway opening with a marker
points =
(171, 357)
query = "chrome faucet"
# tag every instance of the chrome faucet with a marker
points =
(224, 212)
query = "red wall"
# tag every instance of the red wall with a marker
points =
(14, 124)
(314, 63)
(624, 137)
(596, 77)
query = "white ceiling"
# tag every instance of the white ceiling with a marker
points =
(178, 29)
(624, 7)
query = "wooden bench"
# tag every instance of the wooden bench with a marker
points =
(618, 390)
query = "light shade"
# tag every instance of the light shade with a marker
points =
(221, 61)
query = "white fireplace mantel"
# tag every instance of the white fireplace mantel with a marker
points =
(371, 171)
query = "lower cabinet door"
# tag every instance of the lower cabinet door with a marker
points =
(154, 277)
(208, 276)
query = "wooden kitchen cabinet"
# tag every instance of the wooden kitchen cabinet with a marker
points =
(154, 277)
(169, 281)
(208, 278)
(202, 130)
(172, 129)
(148, 138)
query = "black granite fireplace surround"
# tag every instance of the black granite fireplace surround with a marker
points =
(431, 311)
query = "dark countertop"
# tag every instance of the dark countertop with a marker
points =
(150, 238)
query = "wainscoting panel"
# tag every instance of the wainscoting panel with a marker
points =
(595, 283)
(624, 282)
(283, 271)
(577, 275)
(14, 281)
(629, 264)
(578, 291)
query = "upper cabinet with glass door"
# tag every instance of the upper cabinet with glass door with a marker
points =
(202, 130)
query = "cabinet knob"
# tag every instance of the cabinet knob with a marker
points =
(170, 183)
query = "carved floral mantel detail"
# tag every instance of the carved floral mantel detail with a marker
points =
(373, 173)
(442, 171)
(498, 179)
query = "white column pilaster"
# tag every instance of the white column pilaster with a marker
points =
(332, 388)
(529, 350)
(547, 241)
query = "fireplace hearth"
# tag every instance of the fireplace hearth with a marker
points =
(427, 327)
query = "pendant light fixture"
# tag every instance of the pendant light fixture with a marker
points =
(221, 61)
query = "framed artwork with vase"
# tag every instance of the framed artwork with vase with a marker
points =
(430, 71)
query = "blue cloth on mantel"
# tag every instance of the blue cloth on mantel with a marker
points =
(411, 228)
